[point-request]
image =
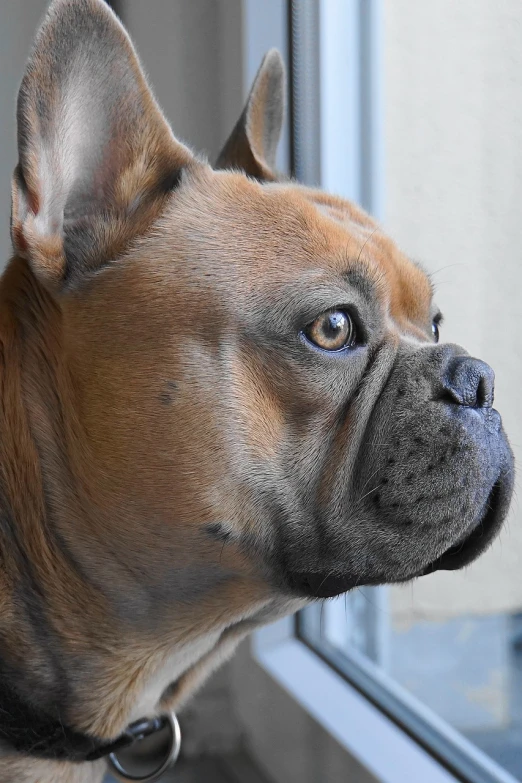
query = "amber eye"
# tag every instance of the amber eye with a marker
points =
(332, 331)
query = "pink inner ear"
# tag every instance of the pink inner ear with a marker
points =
(33, 202)
(18, 238)
(94, 148)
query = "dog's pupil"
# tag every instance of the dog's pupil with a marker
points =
(337, 323)
(335, 328)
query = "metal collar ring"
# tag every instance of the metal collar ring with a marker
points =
(117, 767)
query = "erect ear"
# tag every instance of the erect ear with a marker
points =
(97, 158)
(252, 145)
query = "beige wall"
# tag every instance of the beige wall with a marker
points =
(453, 91)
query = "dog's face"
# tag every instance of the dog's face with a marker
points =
(253, 365)
(291, 398)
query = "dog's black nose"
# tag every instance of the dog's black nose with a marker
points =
(470, 382)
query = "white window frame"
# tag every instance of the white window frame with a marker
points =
(382, 748)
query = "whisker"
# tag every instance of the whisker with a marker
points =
(369, 479)
(442, 268)
(366, 242)
(328, 575)
(368, 493)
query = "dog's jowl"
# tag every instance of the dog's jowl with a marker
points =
(223, 396)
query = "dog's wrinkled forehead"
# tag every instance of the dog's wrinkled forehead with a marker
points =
(266, 237)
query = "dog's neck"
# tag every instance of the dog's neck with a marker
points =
(93, 668)
(17, 769)
(34, 571)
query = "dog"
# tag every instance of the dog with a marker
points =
(223, 397)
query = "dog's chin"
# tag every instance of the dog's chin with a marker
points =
(483, 531)
(470, 546)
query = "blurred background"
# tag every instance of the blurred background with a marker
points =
(414, 109)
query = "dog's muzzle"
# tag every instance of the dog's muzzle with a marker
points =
(443, 479)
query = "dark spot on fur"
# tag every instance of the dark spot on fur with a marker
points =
(216, 531)
(170, 181)
(409, 477)
(384, 481)
(391, 461)
(430, 468)
(420, 499)
(168, 393)
(376, 499)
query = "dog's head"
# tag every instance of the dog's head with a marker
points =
(250, 369)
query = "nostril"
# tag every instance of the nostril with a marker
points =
(469, 382)
(485, 393)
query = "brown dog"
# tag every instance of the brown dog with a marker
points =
(221, 397)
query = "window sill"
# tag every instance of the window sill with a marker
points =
(374, 740)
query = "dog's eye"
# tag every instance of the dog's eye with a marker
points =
(435, 329)
(332, 331)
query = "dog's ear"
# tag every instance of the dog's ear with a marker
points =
(252, 145)
(97, 159)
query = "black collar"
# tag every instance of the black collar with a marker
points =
(28, 730)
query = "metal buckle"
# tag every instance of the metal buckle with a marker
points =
(144, 746)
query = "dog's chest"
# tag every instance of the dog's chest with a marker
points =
(183, 657)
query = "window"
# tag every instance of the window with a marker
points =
(439, 660)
